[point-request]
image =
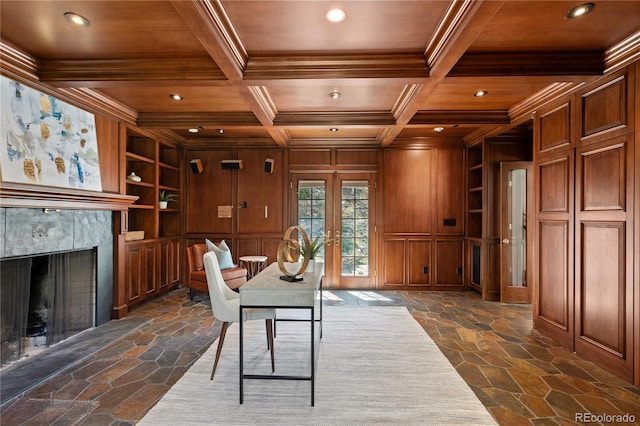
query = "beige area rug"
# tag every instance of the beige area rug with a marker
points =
(375, 365)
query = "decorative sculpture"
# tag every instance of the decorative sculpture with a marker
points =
(289, 250)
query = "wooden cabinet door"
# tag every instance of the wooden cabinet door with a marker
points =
(150, 260)
(135, 272)
(448, 264)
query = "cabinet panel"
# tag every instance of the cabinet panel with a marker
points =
(151, 269)
(393, 254)
(407, 190)
(135, 272)
(419, 263)
(448, 264)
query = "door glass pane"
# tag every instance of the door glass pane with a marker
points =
(311, 209)
(355, 229)
(517, 227)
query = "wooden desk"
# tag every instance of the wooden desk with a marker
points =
(267, 290)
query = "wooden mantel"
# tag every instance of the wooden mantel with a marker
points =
(32, 196)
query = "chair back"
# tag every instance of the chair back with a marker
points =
(224, 301)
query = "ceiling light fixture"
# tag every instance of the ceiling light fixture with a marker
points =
(77, 19)
(580, 10)
(193, 130)
(221, 131)
(481, 93)
(333, 129)
(438, 129)
(335, 15)
(334, 95)
(175, 97)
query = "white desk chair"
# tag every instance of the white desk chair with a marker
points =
(225, 304)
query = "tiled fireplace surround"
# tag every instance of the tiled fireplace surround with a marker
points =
(30, 232)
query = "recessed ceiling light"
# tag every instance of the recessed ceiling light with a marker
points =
(333, 129)
(175, 97)
(221, 131)
(77, 19)
(580, 10)
(481, 93)
(335, 15)
(193, 130)
(438, 129)
(334, 95)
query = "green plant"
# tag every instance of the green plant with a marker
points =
(164, 196)
(315, 246)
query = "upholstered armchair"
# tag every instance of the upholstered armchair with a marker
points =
(197, 278)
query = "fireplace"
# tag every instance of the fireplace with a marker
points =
(56, 276)
(44, 300)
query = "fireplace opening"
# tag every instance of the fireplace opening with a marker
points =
(45, 299)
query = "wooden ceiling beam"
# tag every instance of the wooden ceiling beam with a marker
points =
(398, 66)
(132, 72)
(188, 119)
(333, 119)
(459, 117)
(461, 25)
(529, 64)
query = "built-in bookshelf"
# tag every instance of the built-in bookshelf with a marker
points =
(157, 165)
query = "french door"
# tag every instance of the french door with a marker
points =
(516, 179)
(339, 209)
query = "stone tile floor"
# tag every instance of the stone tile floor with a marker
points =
(521, 376)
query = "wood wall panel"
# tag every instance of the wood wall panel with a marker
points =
(419, 259)
(449, 186)
(555, 128)
(553, 184)
(605, 107)
(603, 178)
(262, 192)
(407, 191)
(393, 269)
(555, 301)
(357, 157)
(208, 190)
(601, 305)
(108, 136)
(309, 157)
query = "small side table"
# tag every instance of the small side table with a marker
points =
(253, 264)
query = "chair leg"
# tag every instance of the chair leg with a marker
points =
(191, 293)
(270, 342)
(223, 333)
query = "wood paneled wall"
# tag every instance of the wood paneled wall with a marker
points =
(422, 219)
(586, 180)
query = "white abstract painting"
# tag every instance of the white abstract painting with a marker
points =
(46, 141)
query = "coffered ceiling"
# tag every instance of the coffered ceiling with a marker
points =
(260, 73)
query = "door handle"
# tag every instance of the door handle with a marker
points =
(505, 241)
(337, 238)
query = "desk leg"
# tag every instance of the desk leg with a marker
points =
(313, 355)
(241, 358)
